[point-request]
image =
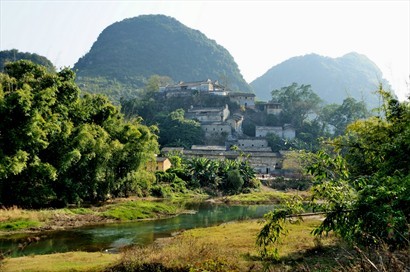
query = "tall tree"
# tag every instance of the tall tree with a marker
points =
(336, 117)
(298, 102)
(58, 148)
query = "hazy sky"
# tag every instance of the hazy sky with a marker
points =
(258, 34)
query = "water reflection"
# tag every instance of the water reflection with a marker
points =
(111, 237)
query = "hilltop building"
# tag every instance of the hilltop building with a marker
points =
(188, 88)
(218, 114)
(243, 99)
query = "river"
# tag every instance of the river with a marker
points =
(111, 237)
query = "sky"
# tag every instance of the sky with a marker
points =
(258, 34)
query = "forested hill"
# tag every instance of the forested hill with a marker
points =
(333, 79)
(132, 50)
(15, 55)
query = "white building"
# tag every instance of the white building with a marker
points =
(285, 132)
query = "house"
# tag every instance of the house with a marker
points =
(215, 129)
(236, 123)
(263, 131)
(160, 164)
(274, 108)
(253, 144)
(188, 88)
(243, 99)
(217, 114)
(285, 132)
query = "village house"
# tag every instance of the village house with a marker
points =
(285, 132)
(274, 108)
(188, 88)
(253, 144)
(160, 164)
(243, 99)
(216, 129)
(218, 114)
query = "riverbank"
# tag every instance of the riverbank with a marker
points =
(16, 220)
(227, 247)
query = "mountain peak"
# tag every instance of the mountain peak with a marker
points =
(333, 79)
(136, 48)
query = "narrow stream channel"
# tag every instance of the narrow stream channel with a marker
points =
(111, 237)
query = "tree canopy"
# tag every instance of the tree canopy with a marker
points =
(58, 148)
(361, 182)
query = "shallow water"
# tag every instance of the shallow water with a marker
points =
(111, 237)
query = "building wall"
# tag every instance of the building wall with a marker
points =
(208, 114)
(246, 100)
(273, 108)
(262, 131)
(252, 143)
(216, 129)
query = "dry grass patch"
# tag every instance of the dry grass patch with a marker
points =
(71, 261)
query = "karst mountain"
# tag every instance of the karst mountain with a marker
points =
(132, 50)
(333, 79)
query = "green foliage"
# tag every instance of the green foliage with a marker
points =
(273, 226)
(362, 184)
(234, 181)
(175, 130)
(298, 102)
(336, 117)
(304, 110)
(12, 55)
(225, 176)
(57, 148)
(139, 210)
(18, 224)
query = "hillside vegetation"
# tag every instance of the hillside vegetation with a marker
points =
(14, 55)
(134, 49)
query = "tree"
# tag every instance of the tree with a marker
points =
(362, 182)
(175, 130)
(298, 103)
(57, 148)
(336, 117)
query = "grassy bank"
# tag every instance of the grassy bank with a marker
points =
(227, 247)
(61, 262)
(15, 219)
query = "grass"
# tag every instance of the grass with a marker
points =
(263, 197)
(18, 224)
(71, 261)
(133, 210)
(16, 219)
(228, 247)
(257, 198)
